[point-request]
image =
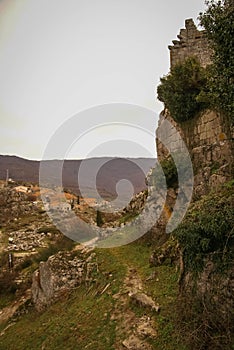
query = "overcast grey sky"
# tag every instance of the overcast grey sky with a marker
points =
(59, 57)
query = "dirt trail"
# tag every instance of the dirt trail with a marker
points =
(7, 312)
(135, 329)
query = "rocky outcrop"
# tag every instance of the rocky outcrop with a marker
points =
(61, 273)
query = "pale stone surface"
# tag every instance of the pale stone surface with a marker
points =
(60, 273)
(208, 140)
(192, 42)
(144, 300)
(134, 343)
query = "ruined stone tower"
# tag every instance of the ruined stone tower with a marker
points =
(192, 42)
(207, 135)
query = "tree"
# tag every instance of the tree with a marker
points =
(99, 220)
(179, 90)
(218, 22)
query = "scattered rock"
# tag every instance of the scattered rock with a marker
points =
(134, 343)
(169, 251)
(145, 328)
(25, 241)
(144, 300)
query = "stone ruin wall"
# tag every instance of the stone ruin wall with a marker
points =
(208, 136)
(209, 142)
(192, 42)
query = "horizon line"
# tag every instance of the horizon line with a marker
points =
(76, 159)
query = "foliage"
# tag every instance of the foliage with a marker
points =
(80, 320)
(201, 324)
(181, 87)
(189, 88)
(7, 282)
(7, 276)
(218, 21)
(174, 168)
(207, 234)
(208, 230)
(166, 170)
(127, 217)
(170, 172)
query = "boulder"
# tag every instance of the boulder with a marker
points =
(61, 273)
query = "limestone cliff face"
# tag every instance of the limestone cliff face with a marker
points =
(208, 138)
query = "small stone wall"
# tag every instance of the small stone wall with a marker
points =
(192, 42)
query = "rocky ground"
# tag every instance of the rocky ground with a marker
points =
(47, 269)
(136, 329)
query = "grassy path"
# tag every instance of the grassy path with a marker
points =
(92, 319)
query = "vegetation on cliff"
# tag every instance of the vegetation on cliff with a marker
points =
(206, 239)
(190, 88)
(207, 230)
(218, 21)
(180, 89)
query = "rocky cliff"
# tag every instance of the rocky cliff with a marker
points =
(206, 235)
(208, 137)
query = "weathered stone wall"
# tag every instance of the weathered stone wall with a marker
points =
(208, 136)
(192, 42)
(209, 141)
(171, 136)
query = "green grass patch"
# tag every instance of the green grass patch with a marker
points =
(82, 320)
(79, 321)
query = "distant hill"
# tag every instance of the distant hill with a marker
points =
(109, 174)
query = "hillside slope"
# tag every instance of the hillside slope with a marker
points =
(110, 171)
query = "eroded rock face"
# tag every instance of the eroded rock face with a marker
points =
(208, 139)
(61, 272)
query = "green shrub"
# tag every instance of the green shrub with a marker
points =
(208, 230)
(218, 22)
(179, 90)
(99, 219)
(165, 171)
(172, 169)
